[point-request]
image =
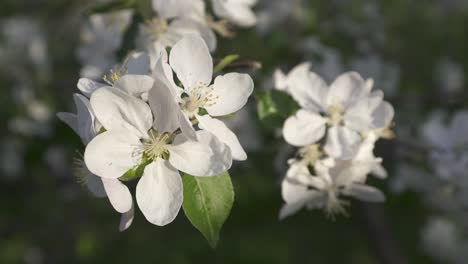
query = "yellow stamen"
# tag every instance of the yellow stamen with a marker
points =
(156, 146)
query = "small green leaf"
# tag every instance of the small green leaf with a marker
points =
(225, 62)
(112, 6)
(207, 203)
(135, 172)
(273, 107)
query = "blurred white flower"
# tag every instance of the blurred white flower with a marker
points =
(272, 13)
(176, 19)
(343, 110)
(101, 37)
(441, 239)
(238, 12)
(12, 161)
(333, 179)
(449, 76)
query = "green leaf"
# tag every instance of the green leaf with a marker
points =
(112, 6)
(273, 107)
(225, 62)
(207, 203)
(135, 172)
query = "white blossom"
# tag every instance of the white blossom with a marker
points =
(192, 63)
(176, 19)
(341, 111)
(101, 37)
(238, 12)
(326, 189)
(131, 136)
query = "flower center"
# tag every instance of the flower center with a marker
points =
(156, 27)
(156, 146)
(199, 97)
(310, 154)
(335, 115)
(114, 75)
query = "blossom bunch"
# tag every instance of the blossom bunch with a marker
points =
(143, 123)
(335, 130)
(177, 18)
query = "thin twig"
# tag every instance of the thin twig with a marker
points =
(243, 64)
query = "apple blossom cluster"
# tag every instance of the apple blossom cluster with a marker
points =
(144, 119)
(103, 34)
(335, 131)
(177, 18)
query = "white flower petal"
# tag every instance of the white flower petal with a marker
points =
(118, 194)
(342, 143)
(280, 79)
(163, 72)
(165, 109)
(379, 171)
(175, 8)
(307, 88)
(220, 130)
(365, 193)
(159, 192)
(231, 92)
(86, 118)
(236, 11)
(346, 89)
(117, 110)
(186, 126)
(290, 209)
(207, 34)
(88, 86)
(138, 63)
(112, 153)
(304, 128)
(296, 196)
(206, 157)
(134, 84)
(382, 116)
(126, 219)
(191, 61)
